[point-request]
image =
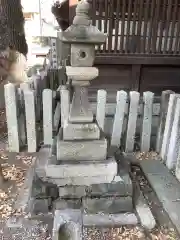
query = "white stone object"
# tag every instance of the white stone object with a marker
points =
(76, 131)
(132, 120)
(174, 141)
(168, 125)
(83, 181)
(101, 108)
(47, 117)
(11, 116)
(30, 120)
(82, 55)
(108, 167)
(162, 119)
(80, 109)
(118, 118)
(147, 121)
(65, 105)
(82, 73)
(109, 220)
(144, 213)
(94, 150)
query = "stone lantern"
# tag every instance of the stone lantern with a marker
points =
(82, 37)
(80, 165)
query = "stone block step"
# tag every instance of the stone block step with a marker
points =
(67, 204)
(166, 186)
(106, 168)
(109, 220)
(109, 205)
(95, 150)
(120, 186)
(81, 181)
(87, 131)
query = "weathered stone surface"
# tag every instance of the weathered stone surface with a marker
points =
(108, 167)
(80, 83)
(162, 118)
(147, 121)
(24, 200)
(65, 105)
(168, 125)
(82, 73)
(132, 121)
(41, 205)
(101, 108)
(30, 121)
(72, 191)
(121, 99)
(47, 116)
(144, 213)
(174, 140)
(81, 150)
(109, 220)
(67, 204)
(120, 186)
(166, 186)
(82, 181)
(80, 109)
(57, 117)
(81, 131)
(177, 172)
(10, 95)
(67, 225)
(107, 205)
(82, 55)
(42, 189)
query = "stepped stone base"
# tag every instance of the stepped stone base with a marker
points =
(104, 168)
(105, 205)
(94, 150)
(120, 186)
(88, 131)
(81, 181)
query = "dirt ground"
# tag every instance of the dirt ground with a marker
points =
(14, 170)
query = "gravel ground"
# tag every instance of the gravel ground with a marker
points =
(14, 173)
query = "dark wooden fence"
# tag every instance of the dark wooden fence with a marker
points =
(134, 27)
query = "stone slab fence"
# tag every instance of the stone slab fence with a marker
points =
(26, 107)
(34, 116)
(168, 140)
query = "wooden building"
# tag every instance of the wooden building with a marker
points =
(142, 51)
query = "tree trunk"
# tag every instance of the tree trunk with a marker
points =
(12, 40)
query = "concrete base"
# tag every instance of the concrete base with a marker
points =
(81, 181)
(63, 204)
(107, 205)
(120, 186)
(89, 131)
(109, 220)
(166, 186)
(81, 150)
(104, 168)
